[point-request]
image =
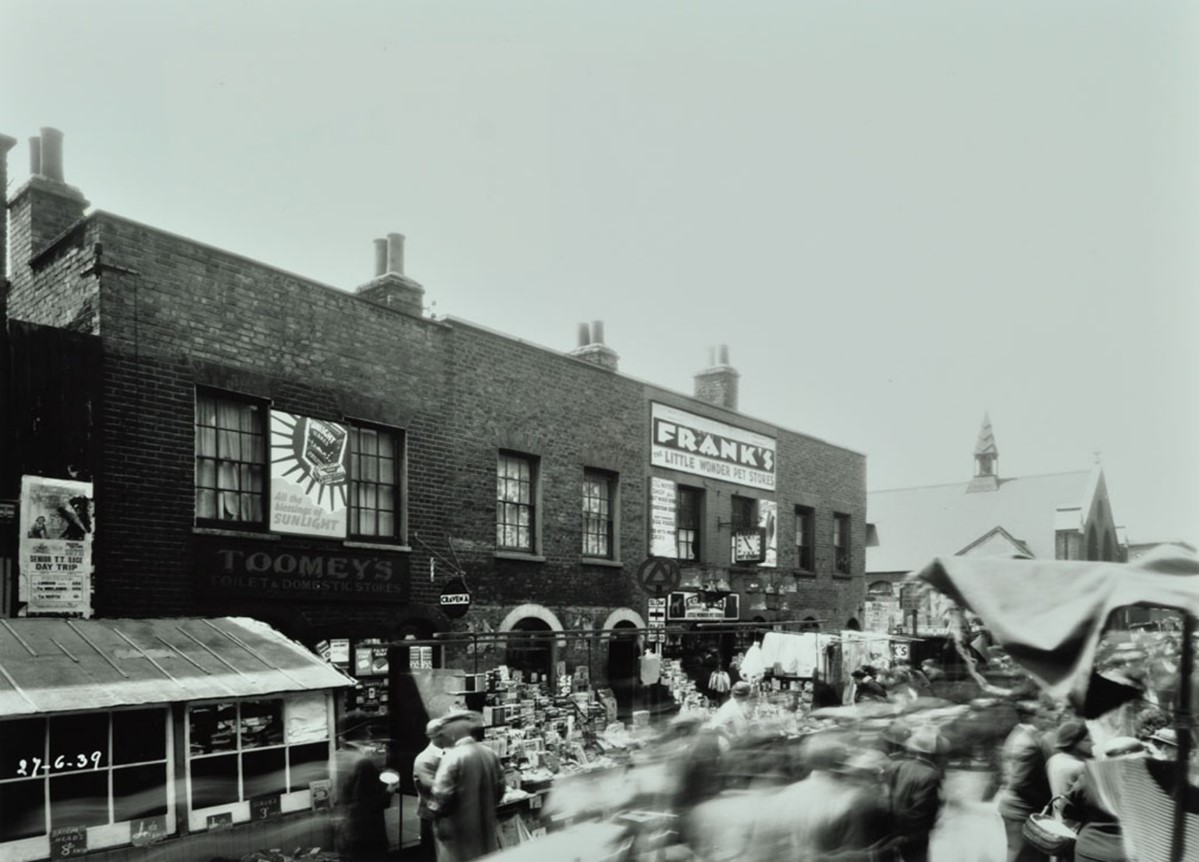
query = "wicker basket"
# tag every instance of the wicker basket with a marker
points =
(1049, 835)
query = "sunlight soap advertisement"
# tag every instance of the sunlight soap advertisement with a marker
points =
(695, 444)
(58, 520)
(309, 478)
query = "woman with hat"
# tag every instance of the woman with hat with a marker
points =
(1072, 748)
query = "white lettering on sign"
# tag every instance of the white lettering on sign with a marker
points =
(456, 599)
(695, 444)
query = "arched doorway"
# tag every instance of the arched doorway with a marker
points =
(853, 625)
(623, 653)
(530, 648)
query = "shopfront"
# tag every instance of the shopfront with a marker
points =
(119, 733)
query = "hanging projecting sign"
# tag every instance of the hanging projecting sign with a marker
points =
(57, 524)
(309, 477)
(455, 599)
(695, 444)
(688, 605)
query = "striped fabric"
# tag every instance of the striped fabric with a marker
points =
(1142, 801)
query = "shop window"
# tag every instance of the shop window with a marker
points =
(599, 514)
(805, 539)
(92, 769)
(689, 518)
(841, 544)
(744, 513)
(375, 488)
(240, 750)
(516, 496)
(230, 460)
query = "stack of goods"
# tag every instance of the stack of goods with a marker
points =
(682, 688)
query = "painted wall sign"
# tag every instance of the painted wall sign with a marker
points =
(309, 475)
(695, 444)
(58, 521)
(663, 521)
(229, 568)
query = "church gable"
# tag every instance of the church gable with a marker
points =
(997, 542)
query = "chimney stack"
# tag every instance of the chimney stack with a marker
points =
(380, 257)
(390, 287)
(6, 144)
(592, 348)
(717, 384)
(395, 253)
(52, 154)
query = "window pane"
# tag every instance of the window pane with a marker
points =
(139, 735)
(21, 740)
(261, 723)
(214, 780)
(213, 728)
(308, 763)
(139, 791)
(79, 799)
(263, 772)
(22, 808)
(73, 736)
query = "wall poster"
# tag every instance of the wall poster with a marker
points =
(58, 521)
(309, 475)
(768, 511)
(663, 499)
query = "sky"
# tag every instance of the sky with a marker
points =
(897, 216)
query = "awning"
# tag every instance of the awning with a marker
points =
(1049, 615)
(60, 665)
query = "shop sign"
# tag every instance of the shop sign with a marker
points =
(694, 606)
(220, 822)
(704, 447)
(149, 830)
(249, 569)
(455, 599)
(749, 546)
(663, 508)
(67, 842)
(309, 479)
(56, 528)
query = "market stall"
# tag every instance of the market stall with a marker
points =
(1049, 616)
(213, 734)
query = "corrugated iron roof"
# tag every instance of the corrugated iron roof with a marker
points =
(916, 524)
(58, 665)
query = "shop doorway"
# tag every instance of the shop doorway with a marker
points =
(622, 660)
(530, 648)
(853, 625)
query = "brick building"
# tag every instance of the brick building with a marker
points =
(192, 384)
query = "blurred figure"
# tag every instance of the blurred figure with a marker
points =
(1163, 745)
(1025, 788)
(1073, 748)
(466, 790)
(732, 719)
(424, 770)
(1099, 836)
(866, 686)
(916, 776)
(823, 694)
(362, 797)
(932, 671)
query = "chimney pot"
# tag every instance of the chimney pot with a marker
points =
(711, 357)
(724, 354)
(597, 331)
(395, 253)
(35, 155)
(52, 154)
(584, 335)
(380, 257)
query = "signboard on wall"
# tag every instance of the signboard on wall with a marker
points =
(704, 447)
(768, 518)
(309, 475)
(663, 517)
(234, 568)
(689, 605)
(58, 521)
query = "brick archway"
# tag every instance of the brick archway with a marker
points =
(539, 612)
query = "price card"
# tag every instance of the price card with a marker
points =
(264, 807)
(220, 822)
(68, 841)
(148, 830)
(322, 794)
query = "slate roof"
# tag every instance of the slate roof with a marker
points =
(59, 665)
(916, 524)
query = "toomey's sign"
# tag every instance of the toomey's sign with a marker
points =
(695, 444)
(228, 568)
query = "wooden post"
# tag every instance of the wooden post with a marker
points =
(1182, 726)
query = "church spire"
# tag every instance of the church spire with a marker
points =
(986, 459)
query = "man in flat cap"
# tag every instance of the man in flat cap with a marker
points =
(466, 789)
(424, 770)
